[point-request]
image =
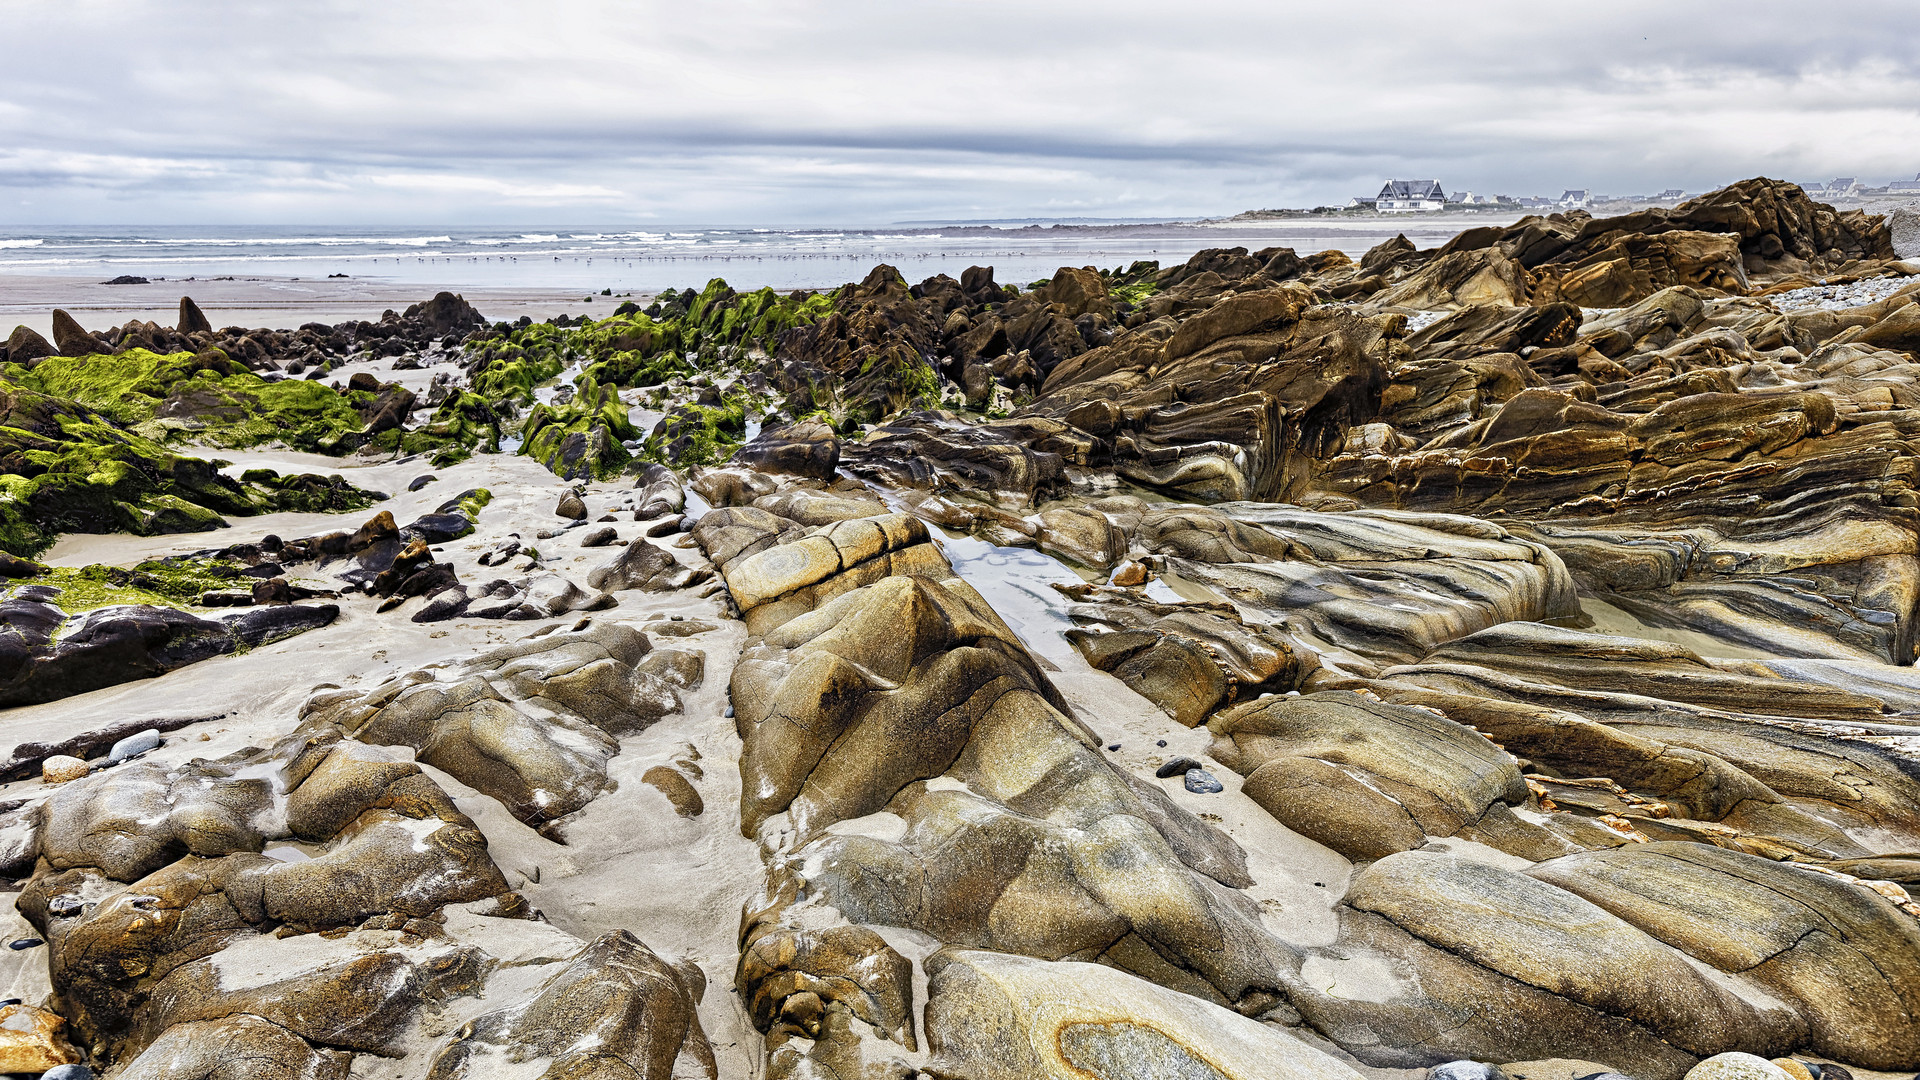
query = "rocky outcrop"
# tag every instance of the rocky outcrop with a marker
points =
(46, 654)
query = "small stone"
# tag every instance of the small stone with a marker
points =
(1179, 766)
(1797, 1070)
(1113, 746)
(1129, 574)
(1202, 782)
(421, 481)
(1160, 742)
(608, 517)
(1831, 1072)
(1456, 1070)
(25, 943)
(1736, 1066)
(135, 745)
(729, 713)
(570, 506)
(68, 1072)
(60, 768)
(599, 537)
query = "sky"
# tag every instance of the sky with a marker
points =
(739, 112)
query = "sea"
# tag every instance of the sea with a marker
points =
(626, 259)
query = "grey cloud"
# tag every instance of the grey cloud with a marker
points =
(865, 111)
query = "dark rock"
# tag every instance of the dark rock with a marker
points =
(599, 537)
(128, 279)
(571, 506)
(438, 528)
(1202, 782)
(71, 339)
(1177, 767)
(191, 319)
(25, 346)
(14, 567)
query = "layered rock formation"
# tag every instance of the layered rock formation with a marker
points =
(1175, 671)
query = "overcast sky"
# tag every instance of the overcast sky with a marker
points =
(875, 111)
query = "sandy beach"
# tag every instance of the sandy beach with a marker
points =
(274, 302)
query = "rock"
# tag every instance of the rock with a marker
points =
(1179, 766)
(1364, 778)
(25, 345)
(1903, 227)
(112, 645)
(68, 1072)
(133, 746)
(999, 1017)
(1836, 952)
(421, 481)
(616, 1010)
(1736, 1066)
(808, 448)
(600, 537)
(641, 565)
(682, 794)
(1796, 1070)
(61, 768)
(33, 1040)
(571, 506)
(71, 339)
(1466, 1070)
(191, 320)
(1202, 782)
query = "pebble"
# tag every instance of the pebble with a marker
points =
(421, 481)
(1179, 766)
(1113, 746)
(1736, 1066)
(134, 746)
(1201, 782)
(729, 712)
(24, 943)
(68, 1072)
(1796, 1069)
(61, 768)
(1160, 742)
(1466, 1070)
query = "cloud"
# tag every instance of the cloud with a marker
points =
(744, 111)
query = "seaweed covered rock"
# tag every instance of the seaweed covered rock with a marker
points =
(584, 439)
(69, 468)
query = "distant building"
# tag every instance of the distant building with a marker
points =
(1360, 202)
(1408, 196)
(1904, 187)
(1672, 194)
(1463, 197)
(1575, 197)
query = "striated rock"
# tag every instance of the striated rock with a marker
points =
(25, 345)
(1001, 1017)
(1840, 953)
(1363, 778)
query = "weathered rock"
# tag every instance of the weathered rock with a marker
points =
(616, 1010)
(1001, 1017)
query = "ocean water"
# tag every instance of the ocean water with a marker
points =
(645, 260)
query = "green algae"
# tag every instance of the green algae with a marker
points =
(65, 467)
(584, 438)
(176, 582)
(205, 396)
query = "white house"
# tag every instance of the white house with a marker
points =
(1408, 196)
(1904, 187)
(1575, 197)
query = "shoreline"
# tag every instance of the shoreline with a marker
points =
(279, 303)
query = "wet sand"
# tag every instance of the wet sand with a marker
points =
(255, 301)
